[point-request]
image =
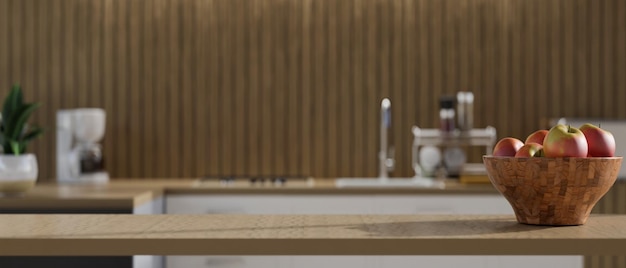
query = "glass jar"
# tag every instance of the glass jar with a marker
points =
(446, 114)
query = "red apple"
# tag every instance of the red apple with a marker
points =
(601, 142)
(537, 137)
(531, 149)
(565, 141)
(507, 147)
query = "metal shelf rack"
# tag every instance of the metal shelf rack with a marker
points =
(485, 137)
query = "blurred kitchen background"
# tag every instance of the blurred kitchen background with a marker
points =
(293, 87)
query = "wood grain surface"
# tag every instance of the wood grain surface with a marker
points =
(293, 87)
(54, 235)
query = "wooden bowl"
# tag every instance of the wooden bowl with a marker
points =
(552, 191)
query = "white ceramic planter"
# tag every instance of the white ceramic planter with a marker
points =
(17, 173)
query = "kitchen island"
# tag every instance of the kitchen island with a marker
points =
(116, 235)
(126, 195)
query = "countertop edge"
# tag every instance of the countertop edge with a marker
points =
(114, 234)
(398, 246)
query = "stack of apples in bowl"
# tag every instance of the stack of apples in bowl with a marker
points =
(556, 176)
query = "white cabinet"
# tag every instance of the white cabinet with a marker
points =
(482, 261)
(228, 261)
(334, 261)
(352, 204)
(337, 204)
(442, 204)
(156, 206)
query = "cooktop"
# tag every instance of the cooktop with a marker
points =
(272, 180)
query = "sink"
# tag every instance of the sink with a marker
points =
(413, 182)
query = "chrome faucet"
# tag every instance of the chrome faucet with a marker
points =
(385, 156)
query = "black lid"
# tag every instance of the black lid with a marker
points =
(446, 102)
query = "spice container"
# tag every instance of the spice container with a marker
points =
(446, 114)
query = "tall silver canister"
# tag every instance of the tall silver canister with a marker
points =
(465, 110)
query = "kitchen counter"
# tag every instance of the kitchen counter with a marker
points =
(102, 234)
(61, 197)
(125, 194)
(325, 186)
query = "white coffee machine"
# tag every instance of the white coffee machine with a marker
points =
(79, 156)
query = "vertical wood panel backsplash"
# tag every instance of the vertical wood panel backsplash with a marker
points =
(197, 87)
(293, 87)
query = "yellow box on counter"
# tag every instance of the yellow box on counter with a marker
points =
(474, 173)
(474, 179)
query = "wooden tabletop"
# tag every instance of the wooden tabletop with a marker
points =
(82, 235)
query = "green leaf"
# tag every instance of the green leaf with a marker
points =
(19, 95)
(14, 131)
(20, 119)
(13, 101)
(32, 134)
(15, 147)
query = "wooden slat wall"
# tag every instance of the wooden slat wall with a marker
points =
(196, 87)
(292, 87)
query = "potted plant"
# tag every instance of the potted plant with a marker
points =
(18, 170)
